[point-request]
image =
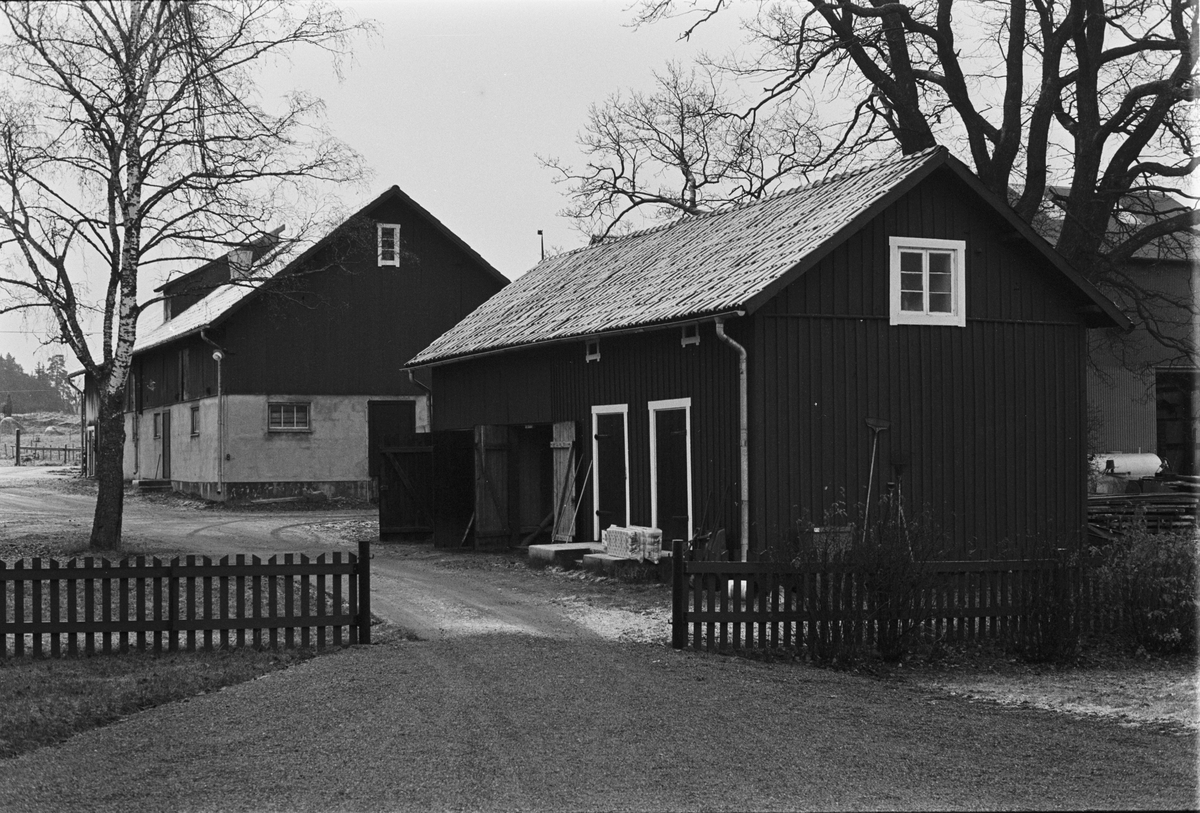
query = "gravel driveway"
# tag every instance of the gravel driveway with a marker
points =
(518, 722)
(522, 698)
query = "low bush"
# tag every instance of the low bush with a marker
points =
(1152, 578)
(1048, 629)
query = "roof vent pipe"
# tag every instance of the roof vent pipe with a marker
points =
(743, 435)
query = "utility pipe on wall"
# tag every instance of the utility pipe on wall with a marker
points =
(219, 356)
(743, 433)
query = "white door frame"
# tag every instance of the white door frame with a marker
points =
(607, 409)
(658, 406)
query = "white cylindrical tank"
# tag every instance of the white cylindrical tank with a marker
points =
(1127, 464)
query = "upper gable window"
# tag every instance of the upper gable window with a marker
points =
(928, 281)
(389, 244)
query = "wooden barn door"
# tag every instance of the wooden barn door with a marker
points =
(670, 468)
(406, 497)
(610, 475)
(390, 424)
(493, 514)
(165, 430)
(562, 449)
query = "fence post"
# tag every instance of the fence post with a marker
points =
(364, 591)
(678, 596)
(17, 462)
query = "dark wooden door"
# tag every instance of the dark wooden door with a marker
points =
(1178, 412)
(406, 497)
(671, 473)
(610, 473)
(165, 430)
(453, 488)
(391, 424)
(493, 513)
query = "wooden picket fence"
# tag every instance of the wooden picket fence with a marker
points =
(89, 606)
(767, 606)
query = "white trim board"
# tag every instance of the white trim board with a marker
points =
(608, 409)
(660, 406)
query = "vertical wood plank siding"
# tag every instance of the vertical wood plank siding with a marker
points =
(347, 329)
(991, 416)
(555, 383)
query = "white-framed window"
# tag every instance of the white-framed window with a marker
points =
(690, 335)
(928, 281)
(195, 420)
(591, 350)
(157, 425)
(667, 483)
(389, 244)
(288, 416)
(610, 466)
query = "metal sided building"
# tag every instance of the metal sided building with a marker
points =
(718, 372)
(266, 387)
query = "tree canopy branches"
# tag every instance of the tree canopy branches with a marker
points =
(1095, 98)
(131, 134)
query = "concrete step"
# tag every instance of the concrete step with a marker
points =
(152, 485)
(610, 565)
(564, 554)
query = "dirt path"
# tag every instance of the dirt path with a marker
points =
(408, 590)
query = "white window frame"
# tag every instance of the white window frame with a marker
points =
(394, 228)
(591, 350)
(608, 409)
(194, 420)
(661, 406)
(687, 339)
(958, 251)
(290, 429)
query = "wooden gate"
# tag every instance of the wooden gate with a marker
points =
(493, 512)
(406, 495)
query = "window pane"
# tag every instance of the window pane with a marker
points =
(912, 302)
(939, 303)
(939, 283)
(910, 262)
(911, 282)
(939, 263)
(275, 417)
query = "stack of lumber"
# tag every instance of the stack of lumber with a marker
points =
(1161, 511)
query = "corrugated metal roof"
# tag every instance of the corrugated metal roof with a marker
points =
(698, 265)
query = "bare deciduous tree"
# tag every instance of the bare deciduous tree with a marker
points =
(1100, 92)
(131, 134)
(682, 149)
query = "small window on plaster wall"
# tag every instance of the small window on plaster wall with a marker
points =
(927, 281)
(591, 351)
(389, 244)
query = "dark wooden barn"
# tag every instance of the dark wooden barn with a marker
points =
(719, 372)
(289, 383)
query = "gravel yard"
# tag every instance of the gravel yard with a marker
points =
(504, 687)
(518, 722)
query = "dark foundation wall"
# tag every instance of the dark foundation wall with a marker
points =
(991, 417)
(554, 384)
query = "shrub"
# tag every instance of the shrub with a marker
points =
(1048, 629)
(872, 584)
(1152, 578)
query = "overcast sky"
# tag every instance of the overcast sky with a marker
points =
(454, 100)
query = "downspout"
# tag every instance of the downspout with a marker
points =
(219, 356)
(428, 397)
(743, 432)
